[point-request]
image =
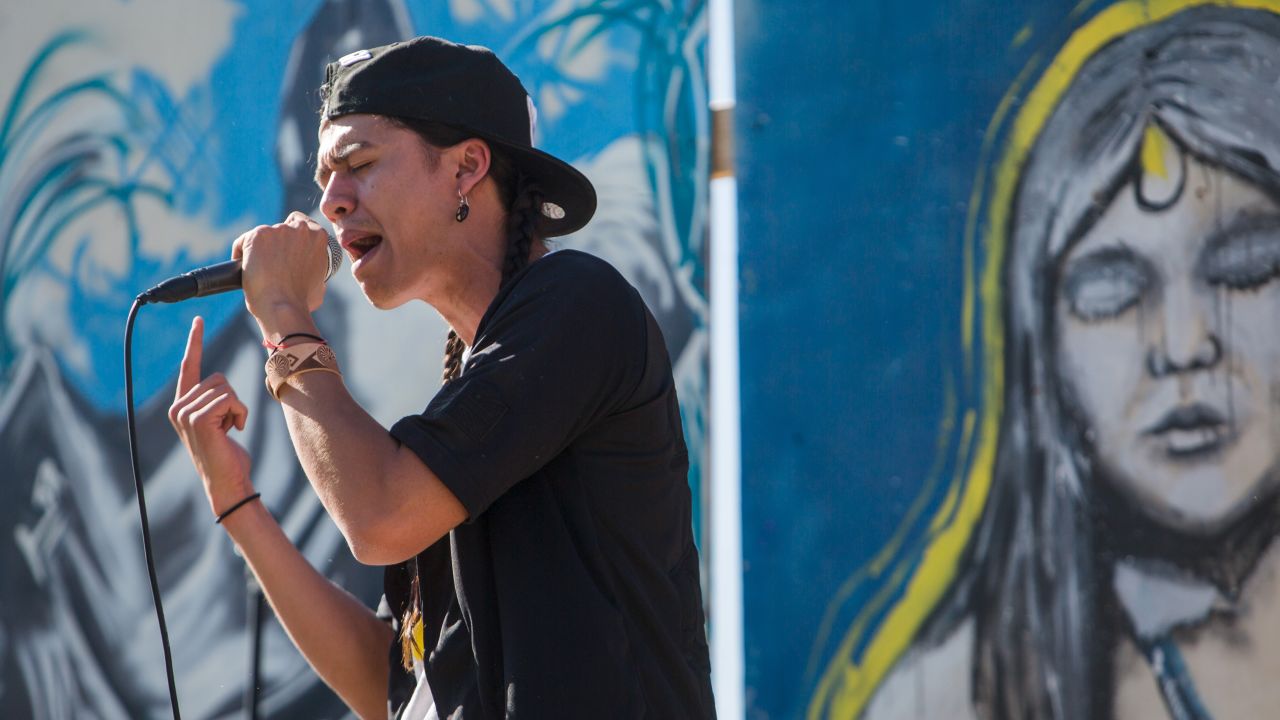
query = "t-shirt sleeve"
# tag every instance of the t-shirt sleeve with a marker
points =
(563, 349)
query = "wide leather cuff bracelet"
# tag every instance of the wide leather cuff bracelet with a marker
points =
(290, 362)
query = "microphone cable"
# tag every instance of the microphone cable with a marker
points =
(204, 281)
(142, 503)
(255, 601)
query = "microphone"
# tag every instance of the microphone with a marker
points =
(213, 279)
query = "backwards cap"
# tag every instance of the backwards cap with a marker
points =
(467, 87)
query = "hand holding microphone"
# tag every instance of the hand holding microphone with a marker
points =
(282, 250)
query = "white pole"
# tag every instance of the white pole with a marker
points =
(727, 647)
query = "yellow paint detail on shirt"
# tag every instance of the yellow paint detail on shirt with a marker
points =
(418, 641)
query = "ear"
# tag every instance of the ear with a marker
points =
(473, 158)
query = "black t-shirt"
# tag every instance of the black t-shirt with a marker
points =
(572, 590)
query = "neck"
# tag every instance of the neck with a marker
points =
(464, 301)
(473, 282)
(464, 317)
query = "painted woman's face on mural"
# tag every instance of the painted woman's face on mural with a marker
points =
(1168, 329)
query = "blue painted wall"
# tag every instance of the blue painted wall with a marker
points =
(860, 127)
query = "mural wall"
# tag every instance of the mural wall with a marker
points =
(137, 139)
(1009, 372)
(1020, 458)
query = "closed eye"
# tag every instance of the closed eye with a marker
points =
(339, 158)
(1245, 255)
(1105, 283)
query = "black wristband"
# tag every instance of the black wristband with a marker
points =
(291, 336)
(236, 507)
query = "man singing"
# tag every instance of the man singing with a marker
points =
(534, 519)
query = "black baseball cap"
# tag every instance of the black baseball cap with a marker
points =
(467, 87)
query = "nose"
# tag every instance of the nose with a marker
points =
(338, 199)
(1185, 340)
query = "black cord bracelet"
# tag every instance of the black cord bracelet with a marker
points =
(291, 336)
(236, 507)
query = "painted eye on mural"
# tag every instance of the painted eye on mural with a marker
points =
(1245, 256)
(1105, 283)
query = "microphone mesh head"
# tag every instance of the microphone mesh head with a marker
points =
(335, 257)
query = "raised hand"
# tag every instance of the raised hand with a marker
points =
(203, 413)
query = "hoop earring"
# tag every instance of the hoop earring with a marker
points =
(464, 208)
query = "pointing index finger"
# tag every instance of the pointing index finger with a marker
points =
(189, 371)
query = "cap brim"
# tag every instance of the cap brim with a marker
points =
(562, 185)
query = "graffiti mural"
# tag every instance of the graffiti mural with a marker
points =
(1107, 547)
(133, 149)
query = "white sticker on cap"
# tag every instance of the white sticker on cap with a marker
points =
(533, 118)
(355, 57)
(553, 211)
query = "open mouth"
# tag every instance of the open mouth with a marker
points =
(362, 246)
(1191, 430)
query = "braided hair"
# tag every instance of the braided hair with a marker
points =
(520, 194)
(522, 197)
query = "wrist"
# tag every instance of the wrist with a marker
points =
(237, 505)
(277, 320)
(249, 520)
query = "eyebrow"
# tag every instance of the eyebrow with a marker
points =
(336, 157)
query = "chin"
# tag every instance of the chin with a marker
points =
(381, 303)
(1199, 522)
(385, 302)
(379, 296)
(1206, 514)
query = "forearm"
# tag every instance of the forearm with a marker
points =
(388, 504)
(342, 639)
(347, 455)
